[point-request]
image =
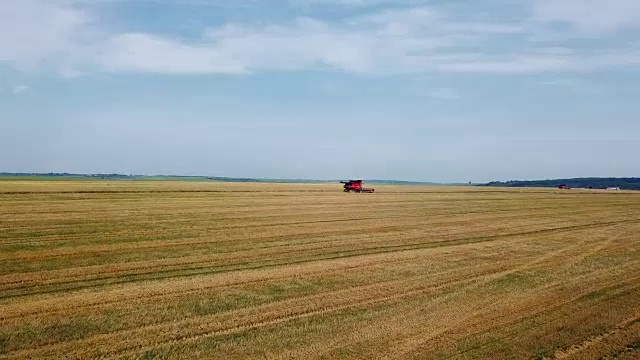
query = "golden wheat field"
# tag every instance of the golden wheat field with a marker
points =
(189, 270)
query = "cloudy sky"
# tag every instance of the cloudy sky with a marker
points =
(437, 90)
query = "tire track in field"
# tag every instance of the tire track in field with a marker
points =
(243, 278)
(419, 280)
(211, 231)
(518, 315)
(628, 283)
(394, 324)
(597, 340)
(192, 329)
(420, 289)
(621, 288)
(397, 288)
(200, 269)
(70, 236)
(230, 212)
(440, 220)
(600, 340)
(242, 213)
(519, 309)
(293, 223)
(270, 248)
(155, 274)
(362, 335)
(135, 340)
(413, 343)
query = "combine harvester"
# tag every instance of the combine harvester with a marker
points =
(355, 186)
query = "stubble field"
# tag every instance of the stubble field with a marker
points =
(185, 270)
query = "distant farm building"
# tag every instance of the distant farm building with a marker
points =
(613, 188)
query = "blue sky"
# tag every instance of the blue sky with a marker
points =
(447, 91)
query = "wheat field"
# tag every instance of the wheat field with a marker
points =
(186, 270)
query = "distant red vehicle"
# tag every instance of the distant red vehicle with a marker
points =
(563, 187)
(355, 186)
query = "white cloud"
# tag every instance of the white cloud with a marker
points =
(20, 89)
(541, 63)
(592, 17)
(519, 65)
(33, 32)
(392, 41)
(445, 94)
(148, 53)
(354, 3)
(617, 58)
(62, 35)
(576, 85)
(304, 44)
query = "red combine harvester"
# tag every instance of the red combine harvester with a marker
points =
(355, 186)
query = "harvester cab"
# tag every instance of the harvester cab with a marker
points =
(355, 186)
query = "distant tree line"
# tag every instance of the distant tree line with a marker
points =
(53, 174)
(594, 183)
(198, 178)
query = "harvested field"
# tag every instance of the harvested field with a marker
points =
(184, 270)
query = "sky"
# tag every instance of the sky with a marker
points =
(442, 91)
